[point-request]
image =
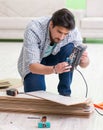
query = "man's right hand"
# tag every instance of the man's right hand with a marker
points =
(62, 67)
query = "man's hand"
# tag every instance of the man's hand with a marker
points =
(84, 60)
(62, 67)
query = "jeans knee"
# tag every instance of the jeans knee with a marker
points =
(68, 48)
(65, 51)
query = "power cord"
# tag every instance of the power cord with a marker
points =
(98, 112)
(87, 89)
(84, 81)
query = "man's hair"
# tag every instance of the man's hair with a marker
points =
(64, 18)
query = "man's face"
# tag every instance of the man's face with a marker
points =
(57, 33)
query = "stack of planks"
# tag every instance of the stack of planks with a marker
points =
(46, 103)
(4, 84)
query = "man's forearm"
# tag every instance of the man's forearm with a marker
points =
(38, 68)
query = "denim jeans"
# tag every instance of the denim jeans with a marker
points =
(35, 82)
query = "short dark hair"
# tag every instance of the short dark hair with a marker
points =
(64, 18)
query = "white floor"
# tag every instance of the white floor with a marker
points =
(9, 53)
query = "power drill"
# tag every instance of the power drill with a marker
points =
(74, 58)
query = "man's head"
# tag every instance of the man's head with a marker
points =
(61, 23)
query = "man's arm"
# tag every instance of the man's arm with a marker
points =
(38, 68)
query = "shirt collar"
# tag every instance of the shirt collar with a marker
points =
(48, 32)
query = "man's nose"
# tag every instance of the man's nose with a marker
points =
(62, 36)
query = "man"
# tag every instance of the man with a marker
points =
(48, 41)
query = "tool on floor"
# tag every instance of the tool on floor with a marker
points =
(12, 92)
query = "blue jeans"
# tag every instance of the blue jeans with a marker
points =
(35, 82)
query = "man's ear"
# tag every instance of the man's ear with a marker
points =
(51, 24)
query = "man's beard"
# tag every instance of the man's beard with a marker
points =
(56, 40)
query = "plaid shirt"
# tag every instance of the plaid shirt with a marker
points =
(37, 40)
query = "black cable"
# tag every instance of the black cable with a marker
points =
(84, 82)
(87, 90)
(98, 112)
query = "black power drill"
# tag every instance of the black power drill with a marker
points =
(74, 58)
